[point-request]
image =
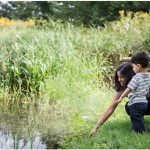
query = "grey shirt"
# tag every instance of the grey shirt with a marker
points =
(140, 84)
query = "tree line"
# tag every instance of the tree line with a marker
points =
(87, 13)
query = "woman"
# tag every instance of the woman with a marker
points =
(123, 75)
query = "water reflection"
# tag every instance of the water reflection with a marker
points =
(30, 127)
(9, 140)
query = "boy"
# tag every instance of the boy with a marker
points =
(137, 90)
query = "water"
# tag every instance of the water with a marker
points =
(30, 127)
(9, 140)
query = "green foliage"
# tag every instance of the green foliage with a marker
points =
(87, 13)
(33, 59)
(76, 125)
(68, 66)
(116, 133)
(24, 10)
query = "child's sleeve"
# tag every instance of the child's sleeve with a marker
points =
(133, 84)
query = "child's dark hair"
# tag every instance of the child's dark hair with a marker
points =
(126, 71)
(141, 58)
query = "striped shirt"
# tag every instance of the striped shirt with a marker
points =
(140, 84)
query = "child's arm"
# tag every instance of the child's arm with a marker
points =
(124, 94)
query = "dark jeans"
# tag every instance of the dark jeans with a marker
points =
(136, 112)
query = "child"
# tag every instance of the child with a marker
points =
(137, 90)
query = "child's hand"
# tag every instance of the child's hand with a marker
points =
(119, 100)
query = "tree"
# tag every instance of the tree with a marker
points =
(97, 12)
(26, 9)
(78, 12)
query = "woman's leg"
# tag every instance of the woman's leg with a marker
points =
(127, 109)
(148, 109)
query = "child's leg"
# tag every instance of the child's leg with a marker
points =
(137, 112)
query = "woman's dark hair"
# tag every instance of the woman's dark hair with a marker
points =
(126, 72)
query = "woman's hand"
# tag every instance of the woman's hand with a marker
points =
(94, 130)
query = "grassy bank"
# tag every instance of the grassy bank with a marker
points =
(67, 72)
(115, 134)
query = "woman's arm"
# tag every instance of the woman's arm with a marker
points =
(107, 113)
(148, 94)
(148, 97)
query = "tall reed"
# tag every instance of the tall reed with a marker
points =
(32, 55)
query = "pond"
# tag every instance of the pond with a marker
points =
(31, 125)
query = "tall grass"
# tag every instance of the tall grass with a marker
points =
(31, 55)
(67, 66)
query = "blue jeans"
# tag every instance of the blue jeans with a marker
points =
(136, 112)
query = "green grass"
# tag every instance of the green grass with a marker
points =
(67, 72)
(113, 135)
(72, 118)
(116, 133)
(30, 56)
